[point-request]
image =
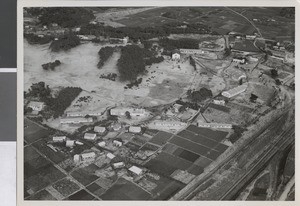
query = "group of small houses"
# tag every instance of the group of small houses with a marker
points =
(91, 156)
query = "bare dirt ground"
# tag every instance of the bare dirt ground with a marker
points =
(110, 17)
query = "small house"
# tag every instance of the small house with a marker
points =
(102, 144)
(100, 130)
(89, 136)
(176, 56)
(177, 107)
(110, 155)
(117, 143)
(219, 102)
(88, 156)
(76, 158)
(36, 106)
(117, 126)
(118, 165)
(70, 143)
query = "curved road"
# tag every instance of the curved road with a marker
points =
(257, 29)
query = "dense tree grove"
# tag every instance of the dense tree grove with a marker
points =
(171, 44)
(110, 76)
(65, 43)
(39, 90)
(131, 63)
(144, 33)
(35, 39)
(51, 65)
(288, 12)
(193, 63)
(63, 16)
(201, 95)
(154, 60)
(105, 53)
(64, 99)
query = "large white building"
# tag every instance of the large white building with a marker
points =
(59, 138)
(214, 125)
(75, 120)
(136, 170)
(88, 156)
(167, 125)
(192, 51)
(134, 112)
(83, 114)
(235, 91)
(135, 129)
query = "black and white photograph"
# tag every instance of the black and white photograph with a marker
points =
(193, 103)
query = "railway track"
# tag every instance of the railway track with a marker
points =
(193, 190)
(281, 143)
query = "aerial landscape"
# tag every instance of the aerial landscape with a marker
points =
(159, 103)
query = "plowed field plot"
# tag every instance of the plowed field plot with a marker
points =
(125, 190)
(214, 135)
(38, 172)
(166, 164)
(56, 157)
(221, 147)
(161, 138)
(220, 107)
(33, 132)
(42, 195)
(85, 175)
(197, 138)
(203, 161)
(96, 189)
(133, 146)
(81, 195)
(187, 155)
(66, 187)
(150, 147)
(189, 145)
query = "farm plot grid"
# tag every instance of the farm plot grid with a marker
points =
(190, 150)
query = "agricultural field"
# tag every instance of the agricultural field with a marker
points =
(34, 132)
(38, 172)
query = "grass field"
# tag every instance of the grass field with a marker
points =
(85, 175)
(125, 190)
(33, 132)
(81, 195)
(66, 187)
(42, 195)
(161, 138)
(214, 135)
(188, 145)
(56, 157)
(38, 172)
